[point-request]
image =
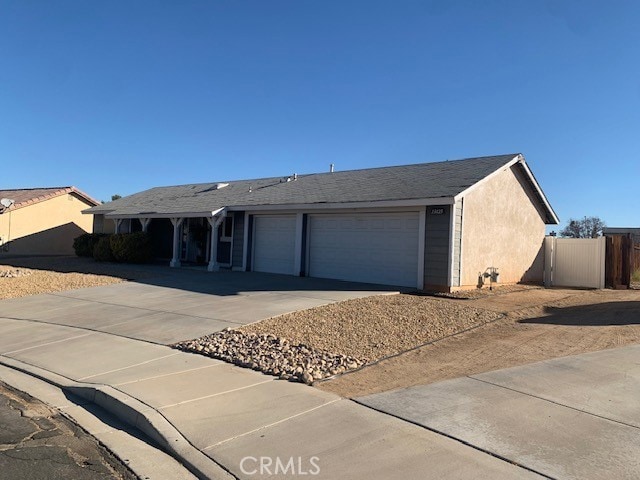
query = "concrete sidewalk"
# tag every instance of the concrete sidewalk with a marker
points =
(220, 420)
(572, 417)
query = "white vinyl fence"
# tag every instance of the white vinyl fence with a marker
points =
(574, 262)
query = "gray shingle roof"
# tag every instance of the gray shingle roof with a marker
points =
(406, 182)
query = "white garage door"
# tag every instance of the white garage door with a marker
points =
(367, 247)
(274, 243)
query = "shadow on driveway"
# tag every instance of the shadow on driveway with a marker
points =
(195, 279)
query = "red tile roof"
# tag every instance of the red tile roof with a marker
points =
(28, 196)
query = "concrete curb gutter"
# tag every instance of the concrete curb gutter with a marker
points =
(133, 412)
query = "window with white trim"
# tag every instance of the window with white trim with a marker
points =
(226, 229)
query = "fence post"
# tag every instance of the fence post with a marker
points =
(602, 250)
(549, 260)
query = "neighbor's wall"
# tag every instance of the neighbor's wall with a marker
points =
(503, 227)
(103, 225)
(45, 228)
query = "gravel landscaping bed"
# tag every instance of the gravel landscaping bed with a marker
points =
(374, 327)
(325, 341)
(23, 276)
(47, 282)
(271, 355)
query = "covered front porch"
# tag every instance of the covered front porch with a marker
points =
(214, 239)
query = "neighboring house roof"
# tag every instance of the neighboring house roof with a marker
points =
(622, 230)
(24, 197)
(633, 231)
(424, 181)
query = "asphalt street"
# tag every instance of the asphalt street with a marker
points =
(36, 442)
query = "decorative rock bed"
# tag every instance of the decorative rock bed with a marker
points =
(271, 355)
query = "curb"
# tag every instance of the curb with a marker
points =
(133, 412)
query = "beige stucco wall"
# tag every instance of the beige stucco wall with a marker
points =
(103, 225)
(502, 227)
(44, 228)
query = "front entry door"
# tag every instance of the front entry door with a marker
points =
(225, 242)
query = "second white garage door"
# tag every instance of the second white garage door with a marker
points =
(367, 247)
(274, 243)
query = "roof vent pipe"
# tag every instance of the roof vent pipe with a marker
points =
(331, 168)
(295, 177)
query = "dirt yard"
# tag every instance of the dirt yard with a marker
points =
(538, 325)
(414, 339)
(22, 276)
(374, 327)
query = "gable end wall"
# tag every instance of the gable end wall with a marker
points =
(45, 228)
(502, 227)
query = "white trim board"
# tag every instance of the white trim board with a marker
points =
(356, 206)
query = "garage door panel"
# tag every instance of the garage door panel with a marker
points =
(375, 248)
(274, 244)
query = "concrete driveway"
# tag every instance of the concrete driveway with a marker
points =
(185, 304)
(572, 417)
(218, 419)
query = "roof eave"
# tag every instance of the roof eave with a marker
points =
(87, 198)
(54, 194)
(550, 214)
(552, 218)
(299, 206)
(202, 214)
(417, 202)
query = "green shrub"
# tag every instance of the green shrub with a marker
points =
(102, 250)
(81, 245)
(131, 247)
(85, 243)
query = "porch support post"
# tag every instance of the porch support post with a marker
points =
(176, 222)
(215, 222)
(117, 222)
(145, 223)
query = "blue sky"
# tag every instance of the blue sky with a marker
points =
(117, 97)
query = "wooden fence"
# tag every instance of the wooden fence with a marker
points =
(621, 259)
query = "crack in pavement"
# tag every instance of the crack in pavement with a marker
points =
(37, 440)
